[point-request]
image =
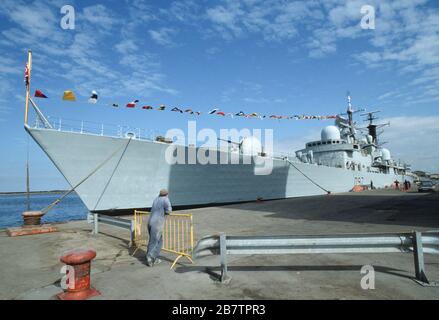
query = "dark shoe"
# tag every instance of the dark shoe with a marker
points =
(149, 262)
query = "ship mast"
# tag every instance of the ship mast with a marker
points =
(372, 127)
(350, 113)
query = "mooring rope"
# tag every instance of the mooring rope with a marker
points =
(50, 206)
(315, 183)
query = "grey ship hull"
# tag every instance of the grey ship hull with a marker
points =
(132, 180)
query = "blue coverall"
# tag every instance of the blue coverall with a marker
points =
(159, 208)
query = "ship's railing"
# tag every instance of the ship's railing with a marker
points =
(285, 155)
(90, 127)
(114, 130)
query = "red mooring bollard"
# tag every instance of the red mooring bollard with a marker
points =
(79, 261)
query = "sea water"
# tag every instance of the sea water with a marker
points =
(11, 207)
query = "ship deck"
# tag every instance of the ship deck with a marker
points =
(32, 267)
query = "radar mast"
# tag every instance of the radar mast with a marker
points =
(372, 127)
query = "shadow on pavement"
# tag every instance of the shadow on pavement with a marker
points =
(214, 272)
(414, 210)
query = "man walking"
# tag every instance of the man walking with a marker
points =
(160, 207)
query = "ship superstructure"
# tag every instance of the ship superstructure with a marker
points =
(342, 146)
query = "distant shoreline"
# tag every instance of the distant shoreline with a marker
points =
(16, 193)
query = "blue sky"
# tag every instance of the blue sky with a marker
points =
(271, 57)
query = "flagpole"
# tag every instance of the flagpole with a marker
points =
(29, 67)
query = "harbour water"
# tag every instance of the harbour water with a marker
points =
(11, 207)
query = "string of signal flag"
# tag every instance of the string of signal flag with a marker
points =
(68, 95)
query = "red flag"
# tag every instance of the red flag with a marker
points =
(132, 104)
(26, 74)
(39, 94)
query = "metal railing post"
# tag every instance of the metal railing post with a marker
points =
(223, 253)
(419, 258)
(132, 233)
(96, 224)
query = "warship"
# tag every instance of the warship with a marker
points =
(123, 171)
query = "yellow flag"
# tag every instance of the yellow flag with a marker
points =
(68, 95)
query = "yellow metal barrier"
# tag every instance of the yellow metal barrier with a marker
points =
(178, 234)
(140, 231)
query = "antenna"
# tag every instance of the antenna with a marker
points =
(372, 127)
(370, 116)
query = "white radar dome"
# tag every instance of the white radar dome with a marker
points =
(251, 146)
(385, 154)
(330, 133)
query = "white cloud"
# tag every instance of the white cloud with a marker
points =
(406, 39)
(186, 11)
(10, 66)
(37, 18)
(100, 17)
(413, 140)
(274, 20)
(212, 51)
(163, 36)
(126, 46)
(81, 55)
(5, 103)
(263, 100)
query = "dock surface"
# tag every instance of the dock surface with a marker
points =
(31, 268)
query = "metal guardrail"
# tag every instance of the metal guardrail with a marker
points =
(416, 242)
(117, 222)
(96, 128)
